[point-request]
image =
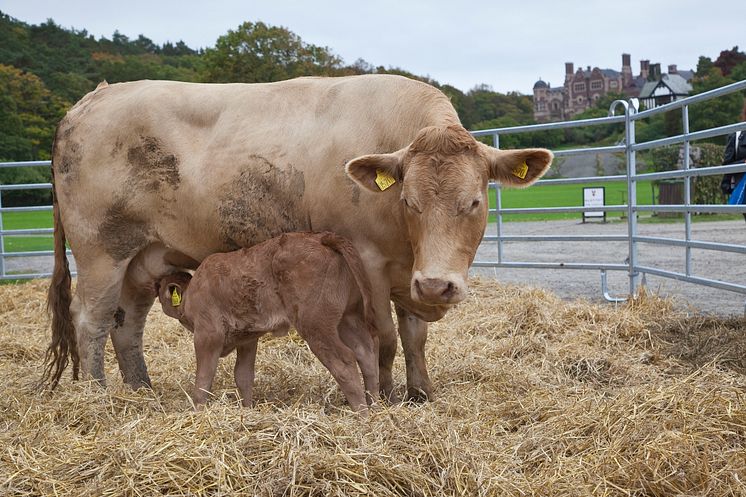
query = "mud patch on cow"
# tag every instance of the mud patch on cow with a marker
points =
(152, 165)
(262, 202)
(122, 232)
(119, 317)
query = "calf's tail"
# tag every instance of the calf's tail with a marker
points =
(355, 265)
(63, 347)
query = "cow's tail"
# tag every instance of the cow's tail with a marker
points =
(355, 265)
(63, 347)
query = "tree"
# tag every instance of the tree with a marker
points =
(257, 52)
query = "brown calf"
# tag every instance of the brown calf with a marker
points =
(313, 281)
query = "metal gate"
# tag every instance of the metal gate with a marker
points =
(630, 147)
(630, 115)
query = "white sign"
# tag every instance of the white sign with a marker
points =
(593, 197)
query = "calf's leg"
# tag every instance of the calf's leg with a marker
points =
(355, 335)
(338, 359)
(243, 372)
(208, 345)
(413, 334)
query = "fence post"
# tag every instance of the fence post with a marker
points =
(687, 189)
(498, 208)
(630, 108)
(2, 240)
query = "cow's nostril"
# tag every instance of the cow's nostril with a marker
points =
(418, 287)
(450, 290)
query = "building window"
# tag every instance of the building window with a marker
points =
(597, 85)
(612, 84)
(555, 105)
(578, 87)
(580, 100)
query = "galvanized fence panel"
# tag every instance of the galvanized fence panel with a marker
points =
(632, 207)
(629, 148)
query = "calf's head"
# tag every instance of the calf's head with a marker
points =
(170, 290)
(441, 181)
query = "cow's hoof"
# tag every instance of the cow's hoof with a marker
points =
(389, 397)
(418, 396)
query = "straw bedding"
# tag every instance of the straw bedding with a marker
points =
(536, 396)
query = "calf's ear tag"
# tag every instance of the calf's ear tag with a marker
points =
(175, 298)
(521, 170)
(384, 179)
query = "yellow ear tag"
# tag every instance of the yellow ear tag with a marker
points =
(175, 298)
(521, 170)
(384, 179)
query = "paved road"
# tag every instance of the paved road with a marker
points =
(586, 284)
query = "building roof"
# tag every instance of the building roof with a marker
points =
(687, 75)
(540, 84)
(610, 73)
(677, 84)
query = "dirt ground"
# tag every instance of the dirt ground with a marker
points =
(568, 283)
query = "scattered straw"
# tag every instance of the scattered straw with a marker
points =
(536, 396)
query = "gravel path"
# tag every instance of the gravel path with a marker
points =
(568, 283)
(587, 284)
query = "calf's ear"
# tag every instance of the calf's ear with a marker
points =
(517, 168)
(376, 172)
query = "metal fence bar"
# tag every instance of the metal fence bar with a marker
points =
(498, 207)
(700, 171)
(28, 186)
(26, 231)
(554, 265)
(558, 238)
(547, 126)
(703, 208)
(31, 163)
(696, 135)
(544, 210)
(733, 287)
(589, 179)
(34, 208)
(676, 242)
(2, 240)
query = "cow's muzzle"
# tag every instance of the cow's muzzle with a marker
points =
(435, 291)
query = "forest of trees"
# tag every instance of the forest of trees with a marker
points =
(45, 69)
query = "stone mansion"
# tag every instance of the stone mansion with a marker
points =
(582, 88)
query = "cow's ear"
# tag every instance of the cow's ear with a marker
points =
(376, 172)
(517, 168)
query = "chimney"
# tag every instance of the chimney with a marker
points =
(626, 70)
(672, 69)
(655, 72)
(569, 70)
(588, 68)
(644, 68)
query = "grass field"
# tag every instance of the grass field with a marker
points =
(565, 196)
(27, 220)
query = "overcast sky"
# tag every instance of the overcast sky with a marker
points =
(507, 45)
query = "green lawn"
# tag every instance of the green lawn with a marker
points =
(27, 220)
(565, 196)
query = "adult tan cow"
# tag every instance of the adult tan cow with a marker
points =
(153, 176)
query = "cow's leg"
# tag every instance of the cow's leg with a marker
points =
(243, 372)
(413, 334)
(353, 332)
(93, 309)
(129, 321)
(338, 359)
(208, 344)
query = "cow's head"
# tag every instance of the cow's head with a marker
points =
(441, 178)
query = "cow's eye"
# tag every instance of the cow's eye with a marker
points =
(411, 205)
(475, 204)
